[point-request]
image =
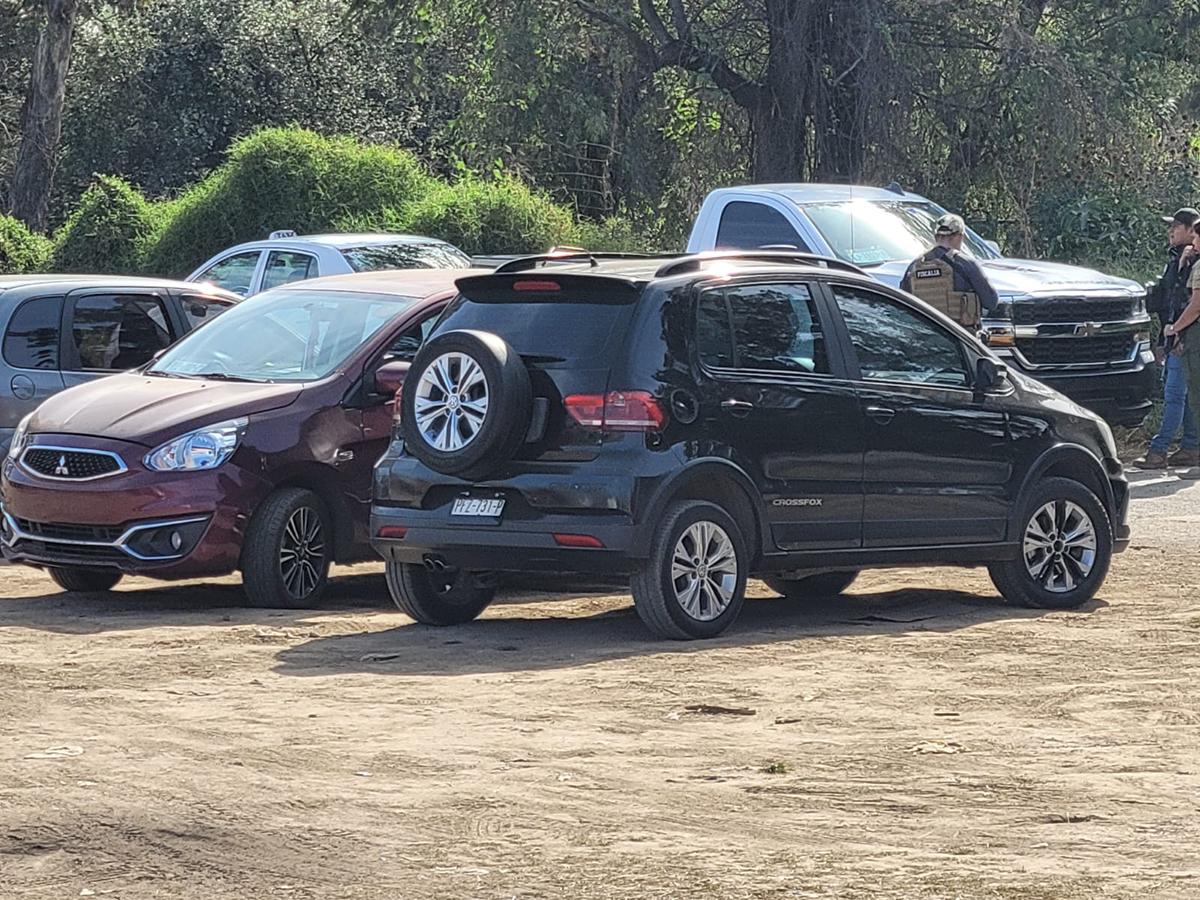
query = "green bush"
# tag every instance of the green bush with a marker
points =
(21, 250)
(616, 234)
(501, 216)
(284, 178)
(111, 230)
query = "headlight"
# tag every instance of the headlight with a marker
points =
(20, 438)
(204, 448)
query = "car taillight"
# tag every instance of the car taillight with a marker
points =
(617, 411)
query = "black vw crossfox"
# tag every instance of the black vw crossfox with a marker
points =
(694, 421)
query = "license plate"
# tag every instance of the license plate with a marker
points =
(477, 507)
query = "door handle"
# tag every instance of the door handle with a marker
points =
(738, 408)
(881, 414)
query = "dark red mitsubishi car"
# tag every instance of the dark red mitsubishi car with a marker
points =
(247, 445)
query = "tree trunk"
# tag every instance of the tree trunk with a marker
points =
(41, 118)
(780, 119)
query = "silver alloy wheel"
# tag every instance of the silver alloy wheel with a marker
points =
(302, 552)
(704, 571)
(1060, 546)
(451, 402)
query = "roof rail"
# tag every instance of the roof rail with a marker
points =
(696, 260)
(523, 263)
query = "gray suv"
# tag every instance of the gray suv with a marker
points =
(57, 331)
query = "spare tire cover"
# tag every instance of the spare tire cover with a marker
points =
(465, 405)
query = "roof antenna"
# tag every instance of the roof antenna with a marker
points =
(895, 188)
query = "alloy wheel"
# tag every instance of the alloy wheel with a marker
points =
(1060, 546)
(704, 571)
(451, 402)
(302, 552)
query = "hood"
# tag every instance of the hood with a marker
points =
(1018, 278)
(149, 411)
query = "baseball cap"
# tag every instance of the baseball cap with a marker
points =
(952, 224)
(1185, 216)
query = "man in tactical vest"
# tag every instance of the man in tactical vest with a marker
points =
(949, 280)
(1167, 298)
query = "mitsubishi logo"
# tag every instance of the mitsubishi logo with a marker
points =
(61, 468)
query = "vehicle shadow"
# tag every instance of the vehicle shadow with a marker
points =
(188, 604)
(506, 643)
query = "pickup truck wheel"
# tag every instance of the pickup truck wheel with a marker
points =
(85, 581)
(694, 582)
(1066, 548)
(288, 551)
(825, 584)
(445, 597)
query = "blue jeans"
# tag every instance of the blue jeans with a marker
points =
(1176, 411)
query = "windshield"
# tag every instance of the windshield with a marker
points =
(870, 232)
(281, 335)
(374, 257)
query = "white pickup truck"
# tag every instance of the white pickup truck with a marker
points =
(1080, 331)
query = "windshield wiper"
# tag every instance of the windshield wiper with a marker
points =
(223, 376)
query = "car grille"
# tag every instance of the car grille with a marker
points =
(1072, 309)
(55, 531)
(1077, 351)
(69, 553)
(52, 462)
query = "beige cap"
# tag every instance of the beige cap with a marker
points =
(950, 224)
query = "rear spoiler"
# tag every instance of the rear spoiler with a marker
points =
(548, 286)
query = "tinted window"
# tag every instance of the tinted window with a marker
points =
(714, 330)
(894, 343)
(286, 266)
(200, 309)
(234, 273)
(751, 226)
(775, 328)
(118, 332)
(554, 329)
(405, 256)
(406, 344)
(31, 341)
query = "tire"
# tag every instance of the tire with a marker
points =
(656, 594)
(288, 550)
(825, 584)
(1053, 506)
(486, 374)
(451, 597)
(85, 581)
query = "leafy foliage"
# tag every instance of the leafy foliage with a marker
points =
(284, 178)
(500, 216)
(111, 230)
(21, 251)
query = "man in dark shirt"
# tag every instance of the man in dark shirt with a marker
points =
(949, 280)
(1167, 298)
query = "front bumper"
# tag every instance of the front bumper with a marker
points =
(128, 521)
(1121, 395)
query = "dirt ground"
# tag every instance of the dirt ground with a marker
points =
(918, 739)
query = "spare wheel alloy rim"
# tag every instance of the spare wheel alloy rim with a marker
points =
(704, 571)
(451, 402)
(1060, 546)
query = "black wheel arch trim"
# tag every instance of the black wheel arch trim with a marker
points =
(702, 471)
(1072, 454)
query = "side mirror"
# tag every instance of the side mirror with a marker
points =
(389, 377)
(989, 374)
